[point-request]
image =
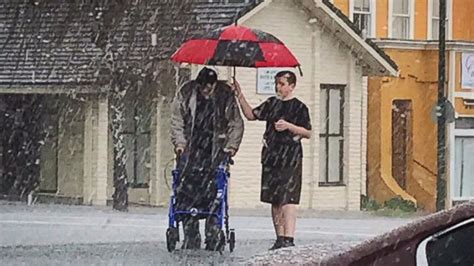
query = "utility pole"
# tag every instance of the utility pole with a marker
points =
(441, 108)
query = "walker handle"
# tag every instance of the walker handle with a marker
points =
(178, 156)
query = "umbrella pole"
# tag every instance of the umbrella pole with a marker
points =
(299, 68)
(233, 70)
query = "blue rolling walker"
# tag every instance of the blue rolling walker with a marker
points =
(224, 235)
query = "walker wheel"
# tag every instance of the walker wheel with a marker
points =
(221, 245)
(232, 240)
(172, 236)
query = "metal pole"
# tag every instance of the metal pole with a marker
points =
(441, 176)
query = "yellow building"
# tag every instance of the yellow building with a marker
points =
(402, 135)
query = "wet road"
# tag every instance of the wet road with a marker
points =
(80, 235)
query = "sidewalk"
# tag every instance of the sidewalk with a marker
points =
(8, 206)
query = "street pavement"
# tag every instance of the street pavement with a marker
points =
(85, 235)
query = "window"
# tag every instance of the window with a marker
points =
(434, 23)
(463, 185)
(464, 123)
(401, 24)
(453, 247)
(136, 134)
(363, 15)
(331, 134)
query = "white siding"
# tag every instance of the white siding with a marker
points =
(324, 60)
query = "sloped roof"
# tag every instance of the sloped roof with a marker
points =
(45, 42)
(375, 60)
(71, 42)
(172, 22)
(356, 30)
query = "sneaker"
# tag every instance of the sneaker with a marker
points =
(287, 244)
(278, 244)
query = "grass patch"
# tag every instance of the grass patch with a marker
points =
(394, 207)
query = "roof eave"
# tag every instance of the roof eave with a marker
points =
(378, 65)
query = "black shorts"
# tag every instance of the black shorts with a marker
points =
(281, 185)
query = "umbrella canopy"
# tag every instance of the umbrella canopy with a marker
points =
(236, 46)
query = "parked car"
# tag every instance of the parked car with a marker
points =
(441, 239)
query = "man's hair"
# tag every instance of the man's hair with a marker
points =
(290, 76)
(206, 76)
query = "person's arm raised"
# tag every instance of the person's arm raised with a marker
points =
(246, 108)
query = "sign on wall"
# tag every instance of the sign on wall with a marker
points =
(467, 66)
(266, 79)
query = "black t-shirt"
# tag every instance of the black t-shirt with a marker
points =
(282, 148)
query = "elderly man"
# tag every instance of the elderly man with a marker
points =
(205, 126)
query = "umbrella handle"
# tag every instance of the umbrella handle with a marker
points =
(235, 24)
(236, 18)
(301, 72)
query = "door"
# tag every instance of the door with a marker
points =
(49, 150)
(401, 140)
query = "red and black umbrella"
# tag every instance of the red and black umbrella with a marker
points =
(236, 46)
